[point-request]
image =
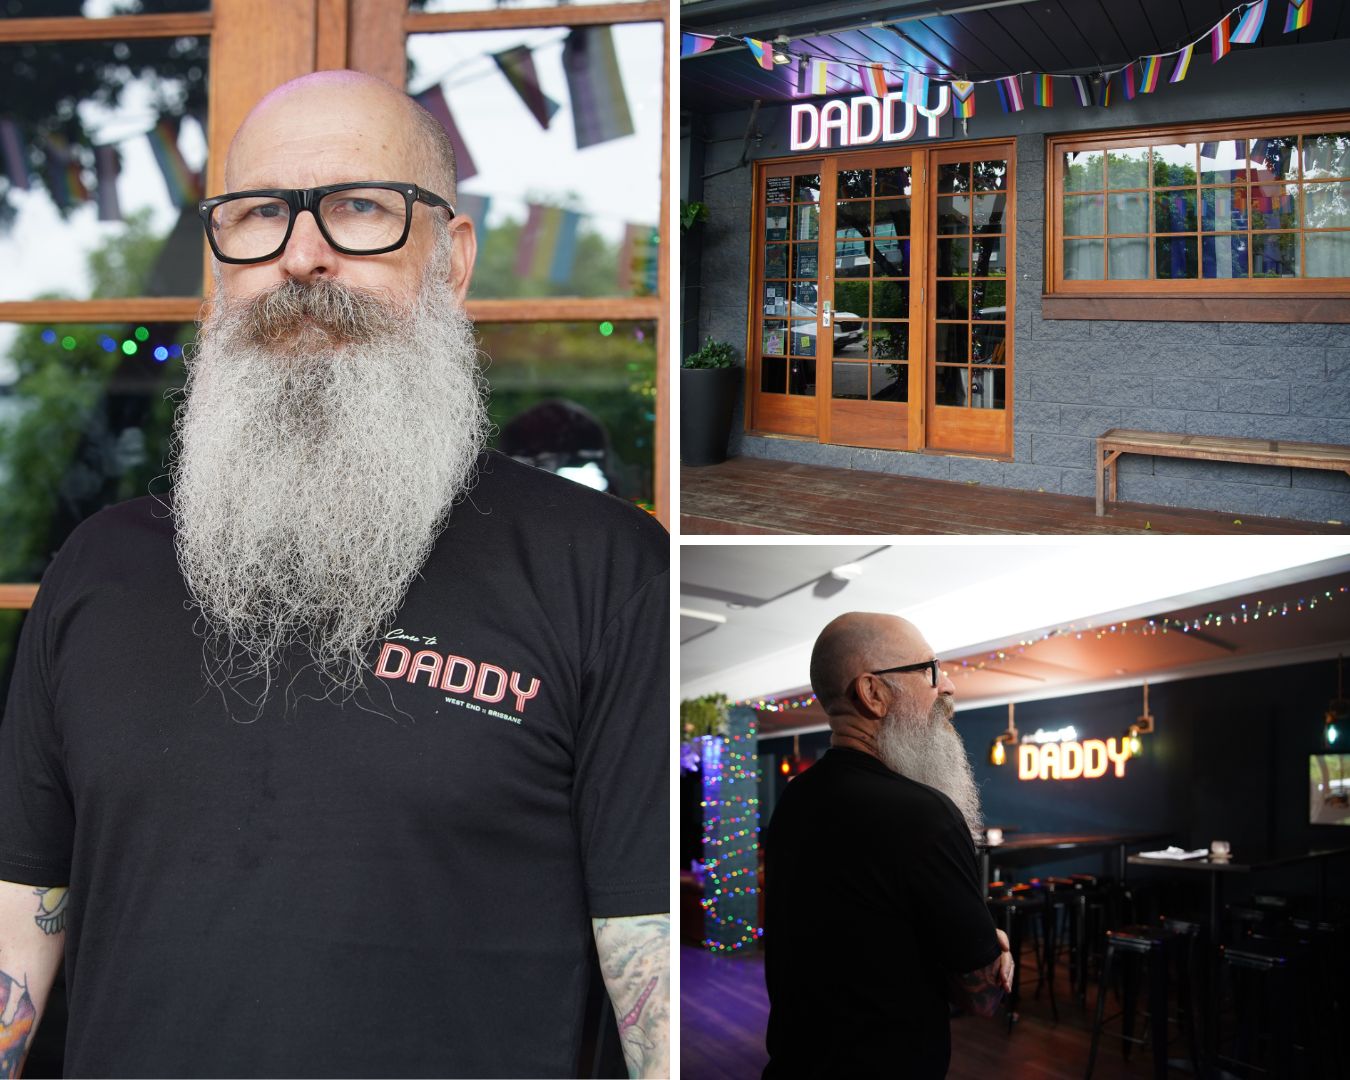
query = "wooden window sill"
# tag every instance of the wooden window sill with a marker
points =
(1263, 309)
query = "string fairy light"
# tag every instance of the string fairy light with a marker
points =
(730, 808)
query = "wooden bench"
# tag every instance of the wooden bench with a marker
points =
(1119, 441)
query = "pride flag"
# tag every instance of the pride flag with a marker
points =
(1127, 81)
(1298, 16)
(106, 168)
(517, 65)
(433, 100)
(963, 99)
(475, 208)
(820, 74)
(1107, 84)
(599, 105)
(1010, 93)
(1218, 41)
(1183, 64)
(1043, 91)
(916, 89)
(12, 149)
(873, 79)
(762, 51)
(185, 187)
(1152, 68)
(637, 260)
(64, 181)
(1249, 27)
(693, 44)
(1082, 89)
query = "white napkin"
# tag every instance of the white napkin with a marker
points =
(1173, 852)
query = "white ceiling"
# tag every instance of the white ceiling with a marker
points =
(757, 608)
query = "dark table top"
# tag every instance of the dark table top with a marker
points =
(1070, 841)
(1240, 865)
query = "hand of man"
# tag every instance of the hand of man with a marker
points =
(1005, 962)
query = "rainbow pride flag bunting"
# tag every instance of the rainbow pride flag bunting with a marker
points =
(820, 74)
(693, 44)
(1127, 82)
(1249, 27)
(106, 168)
(599, 105)
(1298, 16)
(1149, 80)
(564, 258)
(873, 79)
(1043, 91)
(1010, 93)
(1183, 64)
(963, 99)
(538, 239)
(761, 51)
(518, 66)
(637, 261)
(11, 148)
(185, 187)
(475, 208)
(64, 181)
(433, 100)
(916, 89)
(1107, 84)
(1218, 41)
(1082, 89)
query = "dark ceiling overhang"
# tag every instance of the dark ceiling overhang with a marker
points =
(954, 39)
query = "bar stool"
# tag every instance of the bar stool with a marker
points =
(1260, 973)
(1023, 911)
(1069, 897)
(1152, 947)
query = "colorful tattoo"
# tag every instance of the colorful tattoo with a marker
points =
(17, 1019)
(51, 916)
(635, 959)
(983, 989)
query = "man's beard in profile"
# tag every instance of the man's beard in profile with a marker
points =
(927, 749)
(324, 436)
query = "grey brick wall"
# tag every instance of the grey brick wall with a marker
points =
(1074, 379)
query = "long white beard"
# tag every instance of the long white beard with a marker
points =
(324, 437)
(927, 749)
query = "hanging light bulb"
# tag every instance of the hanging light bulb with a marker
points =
(780, 53)
(1133, 741)
(997, 755)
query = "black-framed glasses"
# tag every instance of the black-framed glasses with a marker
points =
(933, 666)
(366, 217)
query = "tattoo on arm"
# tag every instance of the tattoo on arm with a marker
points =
(635, 960)
(982, 989)
(51, 915)
(18, 1017)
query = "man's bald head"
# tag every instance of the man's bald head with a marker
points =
(857, 642)
(385, 112)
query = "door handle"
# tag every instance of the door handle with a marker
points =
(825, 314)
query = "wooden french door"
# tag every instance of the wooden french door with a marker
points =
(882, 309)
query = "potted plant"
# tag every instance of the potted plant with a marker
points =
(706, 715)
(708, 383)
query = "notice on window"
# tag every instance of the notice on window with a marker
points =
(778, 189)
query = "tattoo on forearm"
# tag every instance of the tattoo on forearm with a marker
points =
(51, 916)
(635, 960)
(17, 1019)
(983, 988)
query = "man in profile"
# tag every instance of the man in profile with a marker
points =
(351, 759)
(875, 915)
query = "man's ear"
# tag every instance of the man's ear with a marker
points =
(463, 253)
(868, 691)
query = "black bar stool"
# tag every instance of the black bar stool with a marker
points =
(1022, 912)
(1260, 974)
(1151, 947)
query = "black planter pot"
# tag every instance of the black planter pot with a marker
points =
(707, 399)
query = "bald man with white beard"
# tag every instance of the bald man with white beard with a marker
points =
(874, 910)
(349, 759)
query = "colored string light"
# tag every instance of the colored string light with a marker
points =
(730, 839)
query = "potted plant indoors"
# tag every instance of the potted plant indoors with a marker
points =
(708, 382)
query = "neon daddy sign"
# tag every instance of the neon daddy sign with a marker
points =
(864, 120)
(1058, 755)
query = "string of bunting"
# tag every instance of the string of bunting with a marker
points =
(1241, 26)
(1242, 615)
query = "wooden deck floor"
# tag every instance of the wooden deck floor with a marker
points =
(753, 495)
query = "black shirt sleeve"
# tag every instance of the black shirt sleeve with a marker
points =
(37, 815)
(948, 895)
(620, 804)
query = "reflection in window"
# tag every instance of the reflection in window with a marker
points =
(113, 148)
(1234, 209)
(563, 188)
(577, 400)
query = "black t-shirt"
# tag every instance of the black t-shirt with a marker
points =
(872, 900)
(401, 885)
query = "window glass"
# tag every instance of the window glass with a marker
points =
(94, 9)
(102, 141)
(562, 181)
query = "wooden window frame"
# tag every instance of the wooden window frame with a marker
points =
(1301, 299)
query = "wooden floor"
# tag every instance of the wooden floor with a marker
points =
(724, 1009)
(754, 495)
